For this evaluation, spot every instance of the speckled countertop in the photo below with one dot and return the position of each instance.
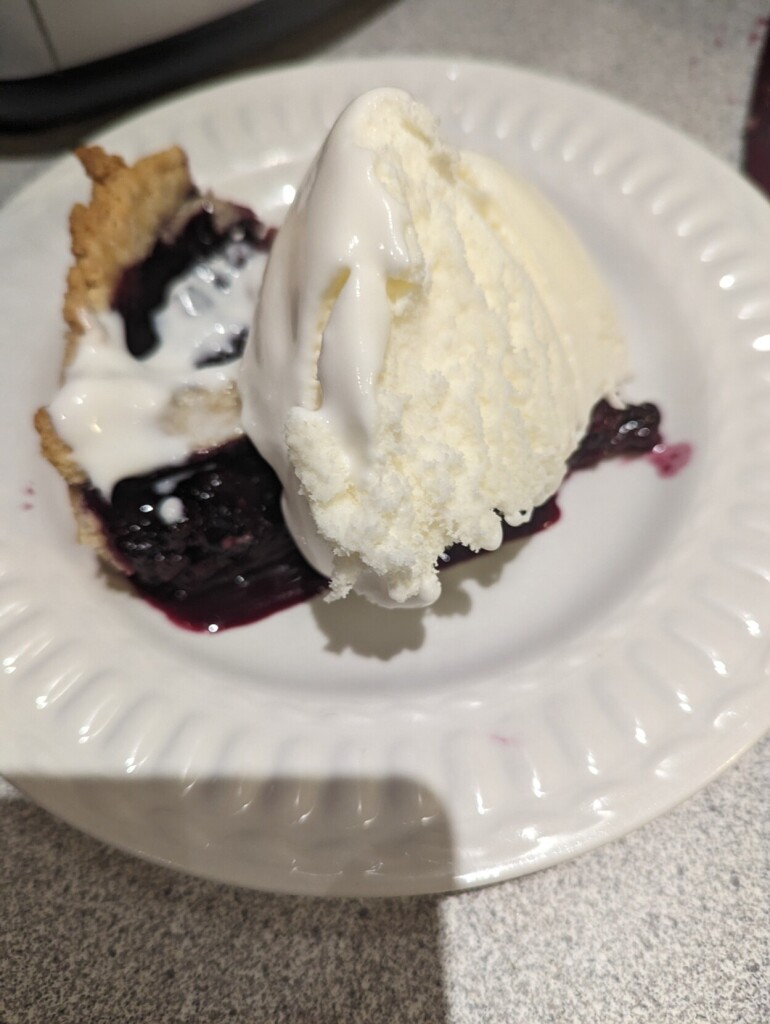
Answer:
(671, 923)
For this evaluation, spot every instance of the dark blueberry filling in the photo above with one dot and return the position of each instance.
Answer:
(142, 288)
(630, 431)
(231, 350)
(226, 558)
(543, 516)
(206, 541)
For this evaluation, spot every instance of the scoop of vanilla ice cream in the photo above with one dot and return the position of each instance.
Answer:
(429, 342)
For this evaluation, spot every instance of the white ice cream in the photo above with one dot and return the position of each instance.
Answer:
(429, 342)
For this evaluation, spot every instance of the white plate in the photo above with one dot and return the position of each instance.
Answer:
(555, 698)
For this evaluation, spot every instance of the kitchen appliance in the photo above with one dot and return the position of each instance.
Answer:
(65, 59)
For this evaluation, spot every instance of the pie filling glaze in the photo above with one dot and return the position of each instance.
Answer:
(205, 541)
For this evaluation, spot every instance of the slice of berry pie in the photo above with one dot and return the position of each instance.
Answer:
(145, 428)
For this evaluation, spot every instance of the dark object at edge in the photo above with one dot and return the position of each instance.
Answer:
(756, 135)
(28, 104)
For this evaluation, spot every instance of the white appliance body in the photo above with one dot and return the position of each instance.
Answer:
(41, 36)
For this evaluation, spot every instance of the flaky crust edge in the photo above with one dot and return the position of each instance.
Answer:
(127, 209)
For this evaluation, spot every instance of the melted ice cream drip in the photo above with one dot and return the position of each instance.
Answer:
(127, 407)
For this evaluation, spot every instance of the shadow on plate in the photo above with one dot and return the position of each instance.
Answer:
(357, 625)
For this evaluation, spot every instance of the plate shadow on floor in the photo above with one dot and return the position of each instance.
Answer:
(120, 939)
